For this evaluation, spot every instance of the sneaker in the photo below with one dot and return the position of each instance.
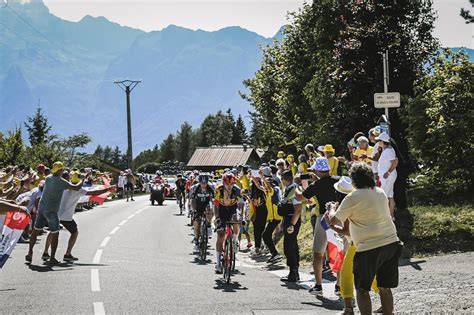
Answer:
(316, 290)
(249, 245)
(28, 258)
(70, 258)
(256, 253)
(196, 249)
(274, 258)
(378, 311)
(337, 290)
(265, 251)
(347, 311)
(218, 268)
(52, 261)
(45, 257)
(292, 277)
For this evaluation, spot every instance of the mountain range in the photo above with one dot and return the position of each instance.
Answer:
(69, 67)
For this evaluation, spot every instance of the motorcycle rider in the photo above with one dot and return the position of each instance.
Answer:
(226, 200)
(201, 196)
(158, 178)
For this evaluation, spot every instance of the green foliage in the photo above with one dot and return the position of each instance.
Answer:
(73, 143)
(216, 130)
(239, 132)
(149, 168)
(12, 149)
(440, 122)
(184, 146)
(147, 156)
(112, 156)
(466, 14)
(317, 84)
(167, 149)
(38, 128)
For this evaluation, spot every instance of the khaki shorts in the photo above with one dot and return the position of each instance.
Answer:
(320, 240)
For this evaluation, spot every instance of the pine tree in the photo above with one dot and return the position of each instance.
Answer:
(38, 128)
(167, 149)
(13, 149)
(239, 132)
(184, 143)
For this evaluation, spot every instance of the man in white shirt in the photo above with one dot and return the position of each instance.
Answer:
(122, 182)
(67, 208)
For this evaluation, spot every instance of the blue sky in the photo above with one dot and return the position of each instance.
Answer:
(261, 16)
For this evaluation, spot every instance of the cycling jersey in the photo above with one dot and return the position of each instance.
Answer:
(181, 184)
(227, 204)
(202, 197)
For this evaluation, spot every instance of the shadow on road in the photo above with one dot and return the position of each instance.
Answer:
(414, 264)
(200, 262)
(63, 266)
(326, 303)
(228, 287)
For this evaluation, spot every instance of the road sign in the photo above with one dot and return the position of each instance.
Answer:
(387, 100)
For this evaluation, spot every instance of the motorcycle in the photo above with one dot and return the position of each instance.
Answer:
(157, 193)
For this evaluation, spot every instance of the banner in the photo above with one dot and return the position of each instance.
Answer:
(15, 223)
(335, 247)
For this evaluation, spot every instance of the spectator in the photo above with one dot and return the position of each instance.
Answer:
(323, 190)
(290, 209)
(48, 210)
(373, 134)
(329, 152)
(387, 168)
(364, 151)
(374, 235)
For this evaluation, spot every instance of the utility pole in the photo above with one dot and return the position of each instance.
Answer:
(128, 86)
(386, 80)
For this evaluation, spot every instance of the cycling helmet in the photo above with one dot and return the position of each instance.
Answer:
(228, 179)
(158, 172)
(203, 179)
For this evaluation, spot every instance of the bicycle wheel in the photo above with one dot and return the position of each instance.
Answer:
(227, 259)
(203, 241)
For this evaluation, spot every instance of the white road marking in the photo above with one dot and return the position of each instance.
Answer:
(97, 256)
(99, 308)
(130, 216)
(140, 211)
(105, 241)
(95, 283)
(123, 222)
(115, 230)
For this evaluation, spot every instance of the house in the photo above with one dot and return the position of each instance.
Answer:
(220, 157)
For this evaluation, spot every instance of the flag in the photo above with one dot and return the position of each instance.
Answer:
(14, 224)
(100, 199)
(335, 247)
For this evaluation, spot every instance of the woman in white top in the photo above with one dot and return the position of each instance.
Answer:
(387, 168)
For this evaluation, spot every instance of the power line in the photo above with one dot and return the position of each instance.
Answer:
(31, 26)
(26, 41)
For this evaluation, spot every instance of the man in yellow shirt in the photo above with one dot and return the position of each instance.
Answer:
(329, 152)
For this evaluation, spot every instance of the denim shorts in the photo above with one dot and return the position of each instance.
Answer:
(50, 219)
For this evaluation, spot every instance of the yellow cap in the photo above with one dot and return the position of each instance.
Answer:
(281, 154)
(328, 148)
(290, 158)
(57, 166)
(75, 177)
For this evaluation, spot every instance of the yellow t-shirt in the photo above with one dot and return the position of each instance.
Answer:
(303, 168)
(333, 165)
(245, 182)
(370, 223)
(359, 152)
(272, 209)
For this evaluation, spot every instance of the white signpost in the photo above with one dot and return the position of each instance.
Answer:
(387, 100)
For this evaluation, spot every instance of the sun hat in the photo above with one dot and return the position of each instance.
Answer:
(280, 154)
(383, 137)
(75, 177)
(280, 161)
(57, 166)
(376, 131)
(321, 148)
(329, 148)
(321, 165)
(290, 158)
(344, 185)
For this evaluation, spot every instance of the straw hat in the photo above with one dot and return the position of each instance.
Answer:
(344, 185)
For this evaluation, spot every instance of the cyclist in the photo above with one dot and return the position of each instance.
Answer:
(180, 191)
(226, 200)
(201, 196)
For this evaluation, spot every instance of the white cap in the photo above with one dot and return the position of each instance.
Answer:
(383, 137)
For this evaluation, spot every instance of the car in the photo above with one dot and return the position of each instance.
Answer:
(170, 184)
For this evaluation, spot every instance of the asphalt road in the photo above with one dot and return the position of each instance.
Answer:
(136, 259)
